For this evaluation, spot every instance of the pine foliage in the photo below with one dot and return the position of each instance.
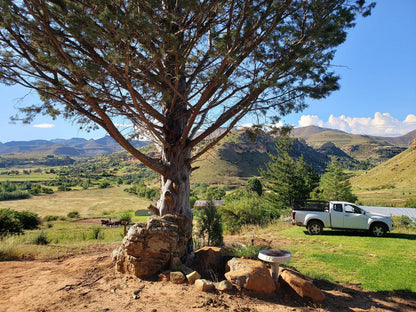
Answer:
(287, 178)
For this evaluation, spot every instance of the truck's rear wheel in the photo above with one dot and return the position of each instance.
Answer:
(378, 229)
(315, 227)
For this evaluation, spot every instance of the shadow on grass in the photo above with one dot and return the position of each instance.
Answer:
(364, 233)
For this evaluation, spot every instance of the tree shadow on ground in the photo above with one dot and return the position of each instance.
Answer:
(342, 297)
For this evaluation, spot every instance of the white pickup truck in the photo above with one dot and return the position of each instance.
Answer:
(316, 215)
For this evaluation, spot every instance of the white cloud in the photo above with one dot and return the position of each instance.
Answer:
(44, 126)
(382, 124)
(123, 125)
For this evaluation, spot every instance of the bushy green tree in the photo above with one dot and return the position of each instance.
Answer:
(242, 208)
(9, 222)
(176, 70)
(285, 177)
(15, 221)
(254, 185)
(214, 193)
(334, 184)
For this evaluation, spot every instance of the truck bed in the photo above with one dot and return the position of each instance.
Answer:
(310, 205)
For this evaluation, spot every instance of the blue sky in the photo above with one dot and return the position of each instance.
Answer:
(377, 65)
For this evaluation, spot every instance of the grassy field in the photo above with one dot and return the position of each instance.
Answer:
(88, 203)
(71, 236)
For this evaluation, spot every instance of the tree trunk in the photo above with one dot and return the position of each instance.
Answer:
(175, 186)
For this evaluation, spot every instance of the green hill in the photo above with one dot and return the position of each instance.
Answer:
(237, 157)
(392, 181)
(373, 150)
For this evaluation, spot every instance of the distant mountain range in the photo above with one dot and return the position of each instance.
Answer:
(375, 149)
(315, 135)
(238, 155)
(69, 147)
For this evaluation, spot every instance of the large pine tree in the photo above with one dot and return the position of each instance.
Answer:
(175, 70)
(287, 178)
(334, 184)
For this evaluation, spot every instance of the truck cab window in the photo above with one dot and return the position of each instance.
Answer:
(349, 209)
(337, 207)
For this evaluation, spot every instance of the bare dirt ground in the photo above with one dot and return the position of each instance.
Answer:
(89, 282)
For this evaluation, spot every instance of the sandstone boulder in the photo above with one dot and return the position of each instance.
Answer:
(148, 249)
(251, 275)
(303, 287)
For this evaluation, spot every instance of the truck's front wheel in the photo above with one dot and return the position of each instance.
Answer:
(315, 227)
(378, 229)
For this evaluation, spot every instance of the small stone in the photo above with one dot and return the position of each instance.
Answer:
(192, 277)
(177, 277)
(223, 285)
(164, 276)
(204, 285)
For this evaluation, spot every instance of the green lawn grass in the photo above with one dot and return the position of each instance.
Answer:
(381, 264)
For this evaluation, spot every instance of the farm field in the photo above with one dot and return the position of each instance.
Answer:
(89, 203)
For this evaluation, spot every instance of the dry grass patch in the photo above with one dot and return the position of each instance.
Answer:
(89, 203)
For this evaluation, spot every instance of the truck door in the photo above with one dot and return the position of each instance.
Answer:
(337, 216)
(354, 217)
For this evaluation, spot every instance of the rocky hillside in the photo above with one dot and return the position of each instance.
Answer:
(371, 149)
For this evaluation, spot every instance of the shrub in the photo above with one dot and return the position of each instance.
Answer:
(15, 221)
(9, 222)
(73, 214)
(411, 202)
(63, 188)
(28, 219)
(249, 252)
(209, 225)
(254, 185)
(14, 195)
(96, 233)
(41, 239)
(215, 193)
(50, 218)
(251, 209)
(402, 221)
(125, 216)
(104, 184)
